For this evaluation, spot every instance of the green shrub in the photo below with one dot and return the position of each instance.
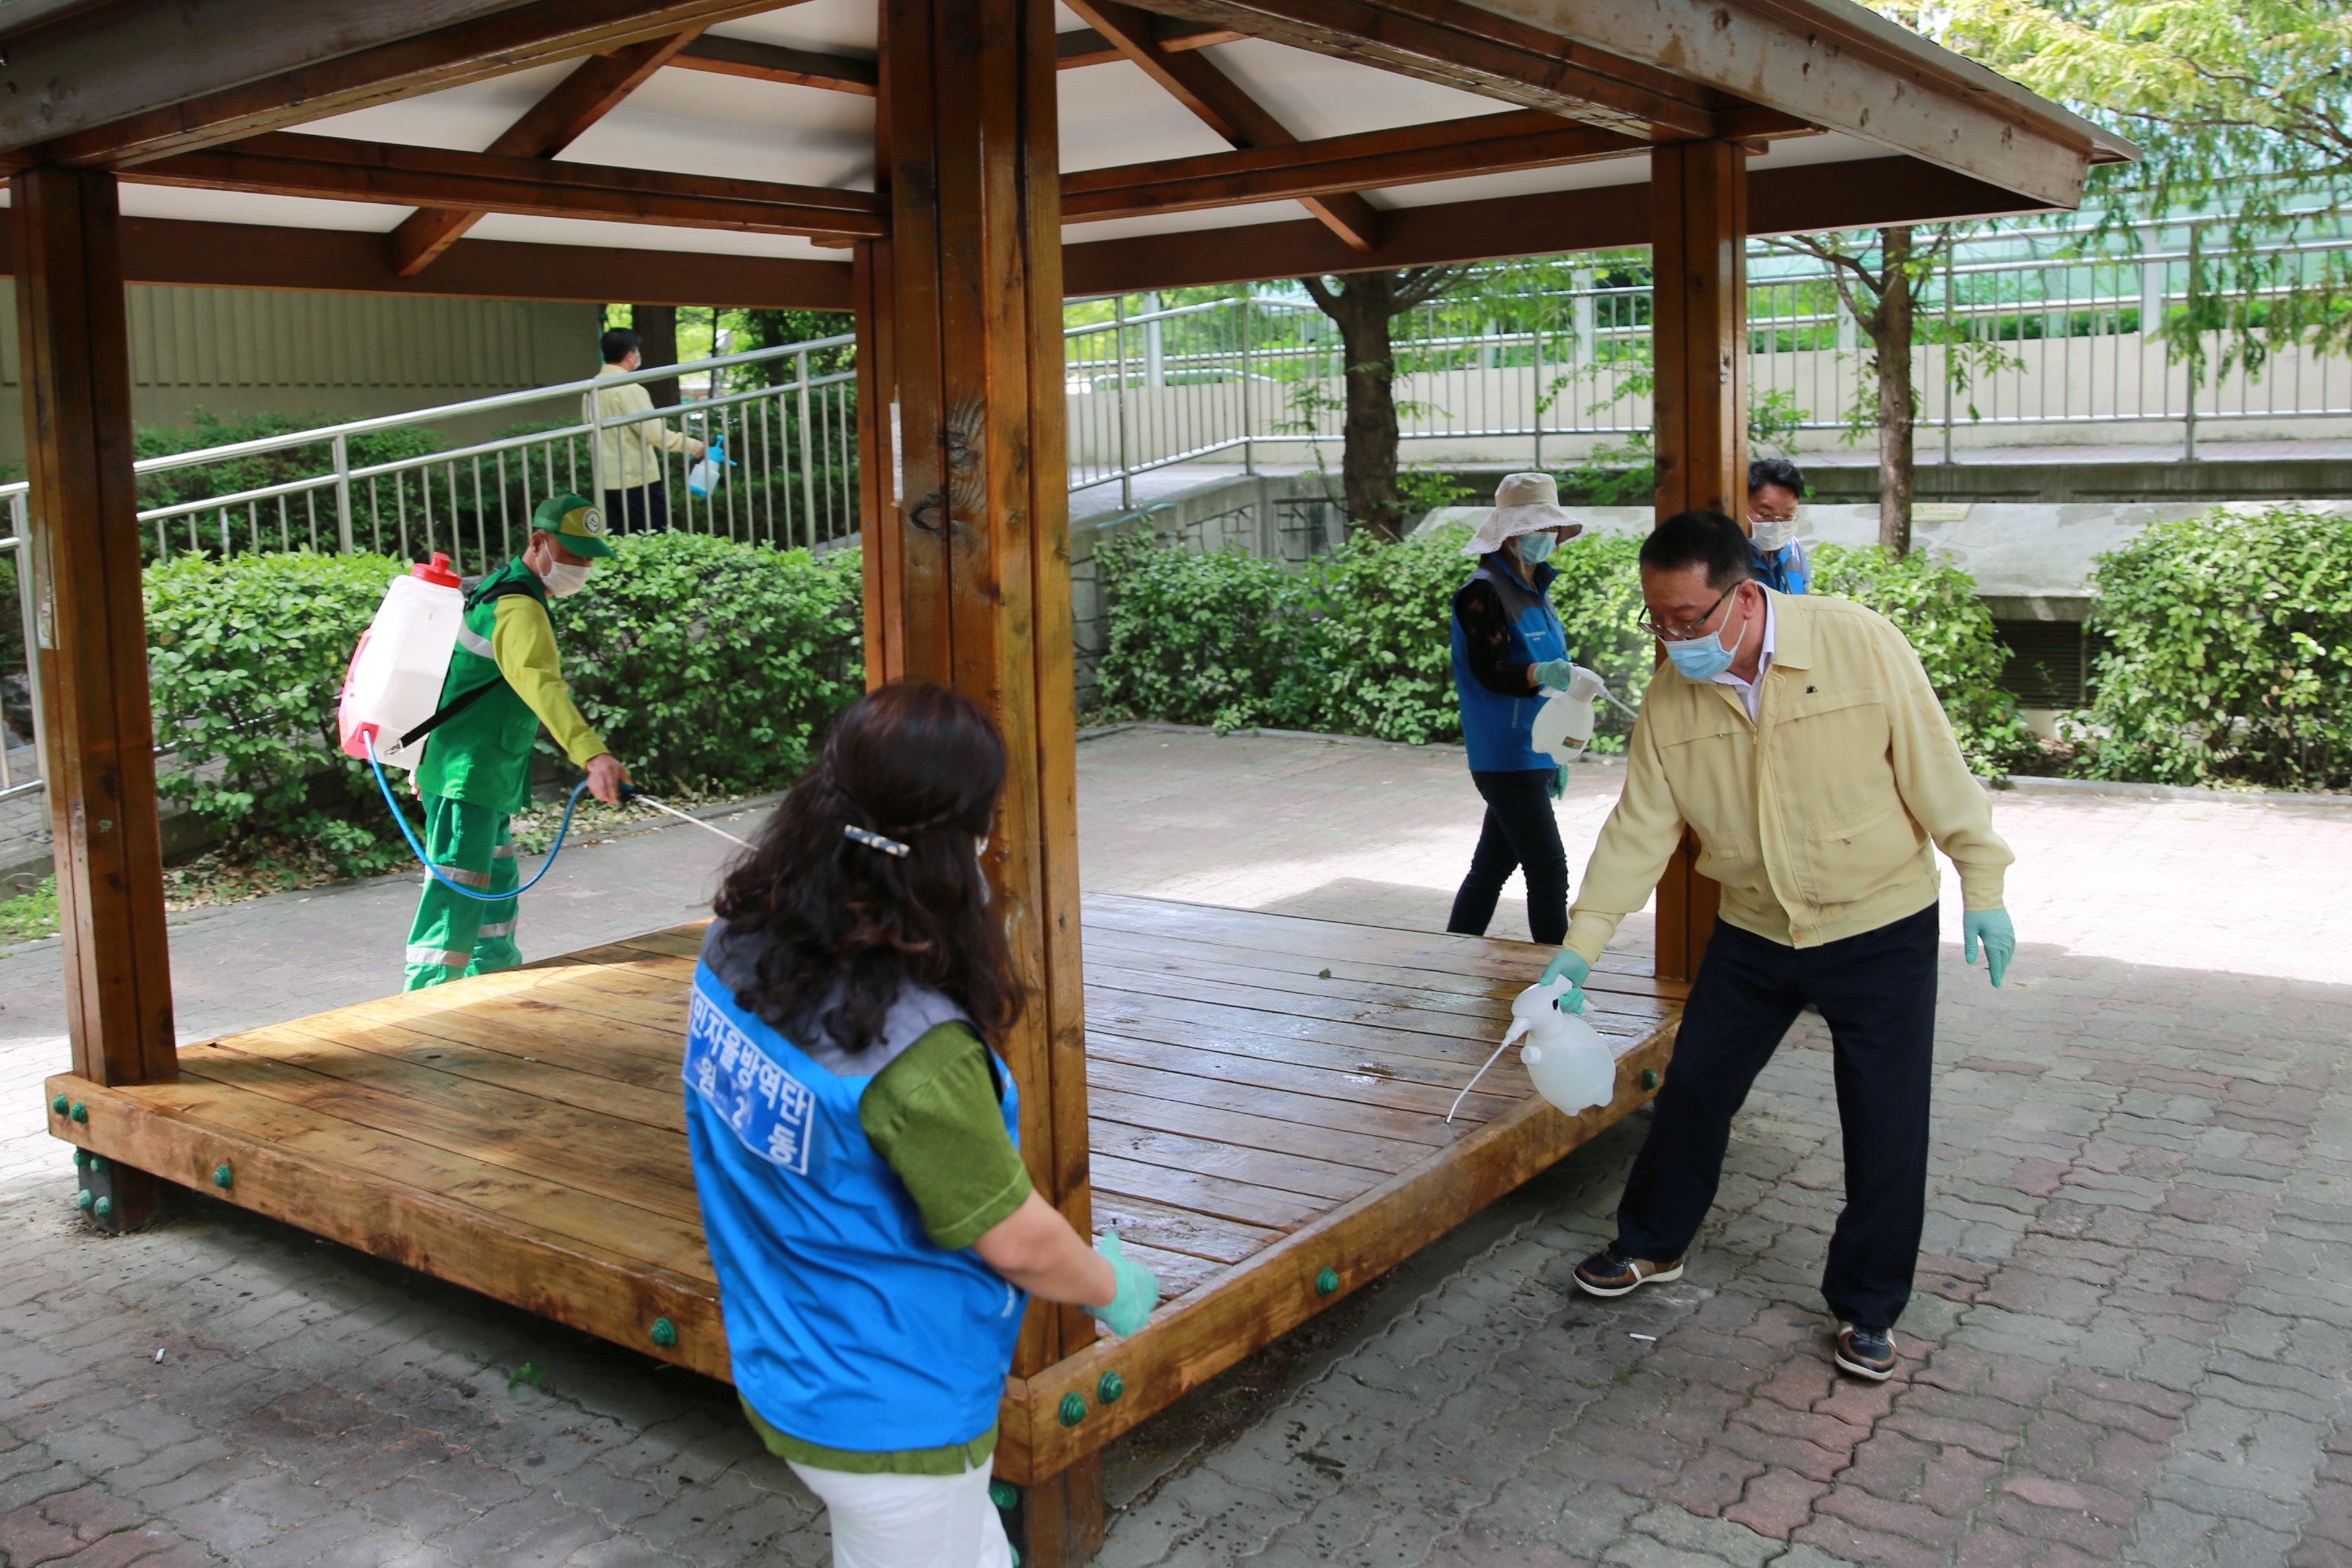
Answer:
(1952, 631)
(2227, 643)
(708, 663)
(248, 657)
(1197, 636)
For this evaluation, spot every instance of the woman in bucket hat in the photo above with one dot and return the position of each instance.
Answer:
(1509, 645)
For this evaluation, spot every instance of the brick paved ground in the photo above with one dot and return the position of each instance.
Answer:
(2131, 1345)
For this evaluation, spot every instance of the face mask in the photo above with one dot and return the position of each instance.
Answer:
(1773, 533)
(1535, 549)
(561, 581)
(1703, 659)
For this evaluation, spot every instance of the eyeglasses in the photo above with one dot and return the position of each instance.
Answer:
(1685, 631)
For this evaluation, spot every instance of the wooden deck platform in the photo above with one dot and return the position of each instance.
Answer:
(1268, 1097)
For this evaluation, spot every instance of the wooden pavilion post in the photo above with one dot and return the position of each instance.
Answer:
(91, 626)
(1698, 204)
(969, 544)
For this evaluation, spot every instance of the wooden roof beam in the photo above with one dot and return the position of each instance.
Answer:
(1838, 67)
(591, 93)
(774, 62)
(1085, 47)
(511, 39)
(1450, 149)
(287, 164)
(1220, 104)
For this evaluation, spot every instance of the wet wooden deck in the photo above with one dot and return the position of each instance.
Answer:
(1267, 1096)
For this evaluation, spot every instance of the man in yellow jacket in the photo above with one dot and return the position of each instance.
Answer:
(1798, 739)
(631, 454)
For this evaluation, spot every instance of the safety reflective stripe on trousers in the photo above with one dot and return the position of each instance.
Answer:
(469, 879)
(503, 927)
(503, 852)
(440, 955)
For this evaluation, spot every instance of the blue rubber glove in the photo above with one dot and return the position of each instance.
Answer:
(1138, 1288)
(1555, 673)
(1571, 963)
(1559, 785)
(1991, 928)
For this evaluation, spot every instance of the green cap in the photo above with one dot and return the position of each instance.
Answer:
(577, 524)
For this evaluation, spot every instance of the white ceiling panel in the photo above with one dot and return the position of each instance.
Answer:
(1114, 114)
(462, 119)
(646, 236)
(828, 27)
(1316, 96)
(1183, 223)
(701, 123)
(278, 212)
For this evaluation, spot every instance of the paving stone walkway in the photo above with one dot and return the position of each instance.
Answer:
(2132, 1341)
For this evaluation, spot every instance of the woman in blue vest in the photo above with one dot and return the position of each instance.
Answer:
(855, 1139)
(1509, 645)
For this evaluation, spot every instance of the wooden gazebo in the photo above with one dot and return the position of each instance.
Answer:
(1257, 1101)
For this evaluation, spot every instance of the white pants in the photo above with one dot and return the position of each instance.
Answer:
(910, 1521)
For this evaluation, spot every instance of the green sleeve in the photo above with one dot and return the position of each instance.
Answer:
(934, 1114)
(523, 642)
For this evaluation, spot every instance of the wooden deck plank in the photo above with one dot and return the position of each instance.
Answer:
(1175, 1229)
(1335, 1075)
(1398, 1009)
(1360, 1150)
(1206, 1193)
(1317, 1113)
(232, 1109)
(1283, 1171)
(627, 1162)
(1214, 1018)
(1358, 1100)
(546, 1081)
(521, 1026)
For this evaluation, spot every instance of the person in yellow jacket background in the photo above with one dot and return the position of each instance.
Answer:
(505, 679)
(630, 457)
(1798, 739)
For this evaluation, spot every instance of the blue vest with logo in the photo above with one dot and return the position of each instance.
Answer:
(1788, 570)
(1498, 729)
(845, 1325)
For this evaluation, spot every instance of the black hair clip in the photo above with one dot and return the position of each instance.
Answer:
(874, 841)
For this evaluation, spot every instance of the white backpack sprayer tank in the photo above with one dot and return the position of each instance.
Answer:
(397, 671)
(1572, 1065)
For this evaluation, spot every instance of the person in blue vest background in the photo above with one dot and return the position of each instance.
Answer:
(1509, 645)
(855, 1139)
(1775, 485)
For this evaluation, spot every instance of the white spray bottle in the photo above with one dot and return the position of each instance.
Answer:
(1564, 1055)
(1563, 725)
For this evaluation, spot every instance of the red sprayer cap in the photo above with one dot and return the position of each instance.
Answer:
(437, 573)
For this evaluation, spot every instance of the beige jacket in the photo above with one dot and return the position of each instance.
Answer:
(632, 455)
(1817, 819)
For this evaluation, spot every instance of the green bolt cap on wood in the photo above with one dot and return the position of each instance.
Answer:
(1648, 1077)
(1327, 1282)
(103, 1207)
(1074, 1409)
(1004, 1494)
(98, 1165)
(82, 1200)
(60, 1104)
(81, 1111)
(81, 1159)
(665, 1332)
(1108, 1390)
(222, 1176)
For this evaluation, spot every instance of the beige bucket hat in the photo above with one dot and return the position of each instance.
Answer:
(1523, 503)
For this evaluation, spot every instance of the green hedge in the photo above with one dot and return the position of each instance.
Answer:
(1358, 642)
(2228, 639)
(706, 663)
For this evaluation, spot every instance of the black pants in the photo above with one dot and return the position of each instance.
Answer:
(1520, 834)
(638, 509)
(1877, 993)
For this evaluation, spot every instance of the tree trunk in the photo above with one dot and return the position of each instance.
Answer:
(657, 329)
(1890, 334)
(1362, 306)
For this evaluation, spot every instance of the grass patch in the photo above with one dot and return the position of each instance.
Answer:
(31, 915)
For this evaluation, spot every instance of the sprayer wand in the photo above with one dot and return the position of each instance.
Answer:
(631, 792)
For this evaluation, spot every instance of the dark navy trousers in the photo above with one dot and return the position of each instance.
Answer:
(1877, 993)
(1520, 834)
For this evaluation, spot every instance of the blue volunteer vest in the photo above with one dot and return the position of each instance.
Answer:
(1498, 729)
(845, 1325)
(1788, 570)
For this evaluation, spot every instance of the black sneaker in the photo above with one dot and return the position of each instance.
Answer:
(1866, 1351)
(1612, 1271)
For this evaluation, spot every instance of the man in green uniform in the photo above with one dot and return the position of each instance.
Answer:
(477, 766)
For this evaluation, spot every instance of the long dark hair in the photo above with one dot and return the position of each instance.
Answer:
(915, 763)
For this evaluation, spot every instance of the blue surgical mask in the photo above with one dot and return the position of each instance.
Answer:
(1702, 659)
(1535, 549)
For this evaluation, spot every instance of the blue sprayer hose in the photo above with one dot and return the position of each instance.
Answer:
(556, 848)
